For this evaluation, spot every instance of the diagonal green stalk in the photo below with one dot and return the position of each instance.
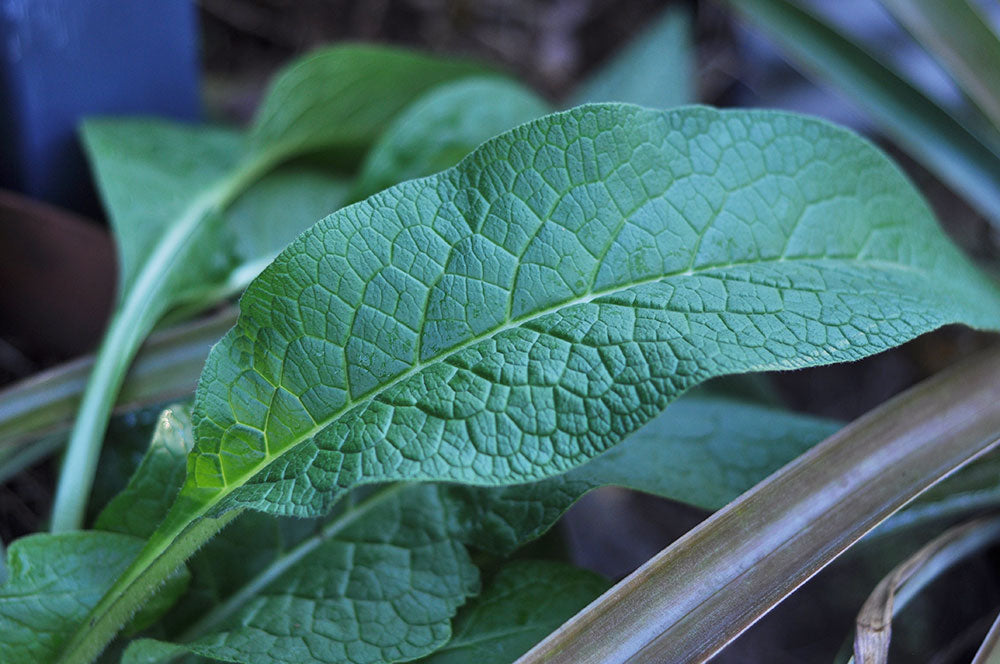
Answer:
(704, 590)
(163, 554)
(141, 307)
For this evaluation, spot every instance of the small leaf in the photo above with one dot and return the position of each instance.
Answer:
(655, 69)
(524, 602)
(141, 506)
(443, 126)
(343, 97)
(53, 582)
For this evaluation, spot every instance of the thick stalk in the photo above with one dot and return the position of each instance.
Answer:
(126, 331)
(143, 304)
(163, 554)
(704, 590)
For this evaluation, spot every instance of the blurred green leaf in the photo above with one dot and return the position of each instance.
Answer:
(443, 126)
(144, 501)
(928, 132)
(962, 40)
(655, 69)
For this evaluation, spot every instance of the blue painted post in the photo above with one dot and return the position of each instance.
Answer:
(62, 60)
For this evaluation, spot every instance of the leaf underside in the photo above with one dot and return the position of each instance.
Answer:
(510, 318)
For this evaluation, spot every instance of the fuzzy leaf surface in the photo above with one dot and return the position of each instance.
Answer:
(707, 451)
(510, 318)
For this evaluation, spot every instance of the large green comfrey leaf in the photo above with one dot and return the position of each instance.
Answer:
(733, 444)
(510, 318)
(169, 191)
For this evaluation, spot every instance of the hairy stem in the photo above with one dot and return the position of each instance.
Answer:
(163, 554)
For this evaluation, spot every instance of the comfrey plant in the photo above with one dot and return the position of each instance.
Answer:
(429, 377)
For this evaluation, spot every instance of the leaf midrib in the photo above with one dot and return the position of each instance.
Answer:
(590, 296)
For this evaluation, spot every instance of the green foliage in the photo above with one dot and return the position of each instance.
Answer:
(464, 355)
(443, 126)
(524, 602)
(176, 241)
(53, 583)
(655, 69)
(375, 556)
(510, 318)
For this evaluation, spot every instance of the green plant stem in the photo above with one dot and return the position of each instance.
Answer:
(704, 590)
(163, 554)
(143, 304)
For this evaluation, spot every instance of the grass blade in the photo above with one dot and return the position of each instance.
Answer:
(968, 47)
(704, 590)
(922, 127)
(167, 367)
(874, 623)
(989, 652)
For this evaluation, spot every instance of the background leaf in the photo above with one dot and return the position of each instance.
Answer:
(525, 601)
(655, 69)
(141, 506)
(343, 97)
(443, 126)
(53, 582)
